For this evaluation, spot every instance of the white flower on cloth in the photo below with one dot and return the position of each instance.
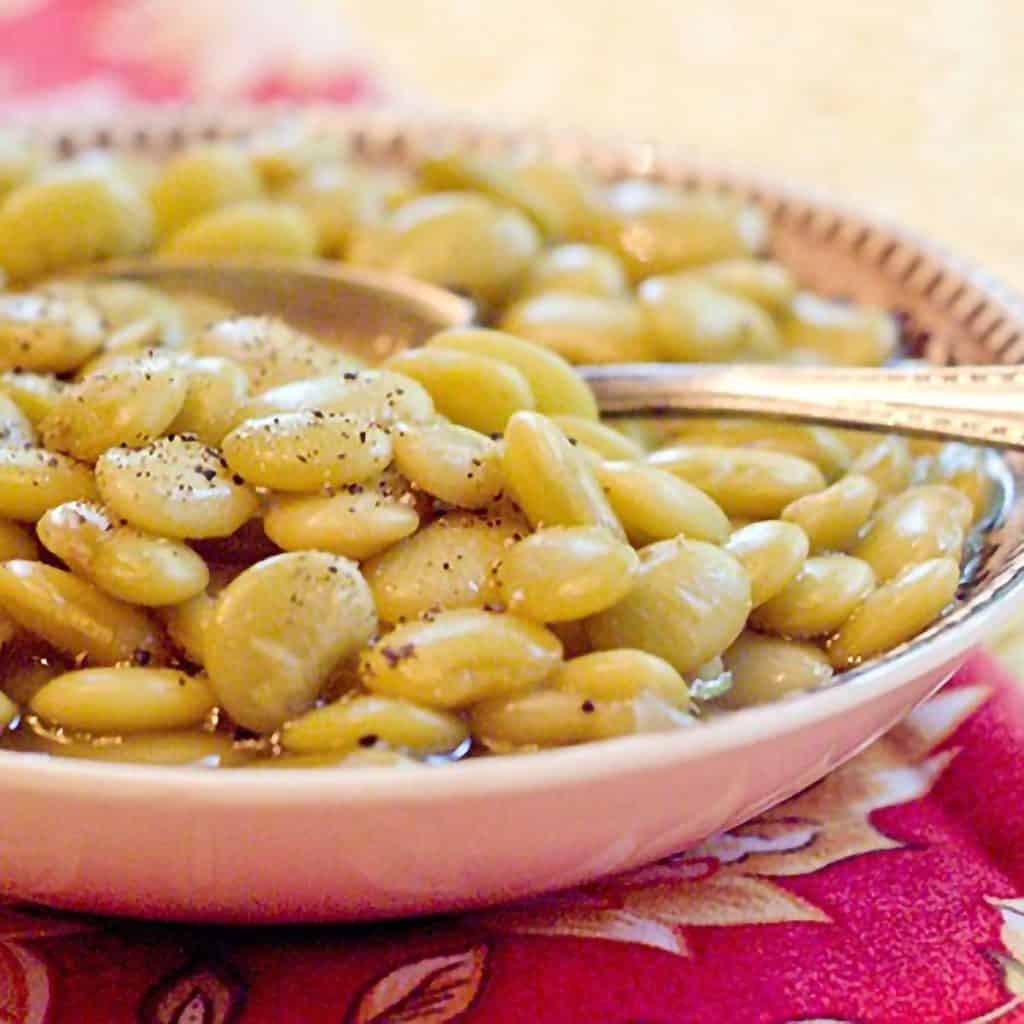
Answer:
(224, 47)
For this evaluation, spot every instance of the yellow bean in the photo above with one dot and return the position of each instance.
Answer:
(289, 149)
(174, 488)
(600, 438)
(130, 406)
(689, 603)
(653, 505)
(853, 335)
(357, 522)
(921, 523)
(833, 518)
(459, 658)
(567, 192)
(772, 552)
(566, 572)
(15, 429)
(583, 328)
(965, 468)
(456, 239)
(380, 395)
(365, 721)
(455, 464)
(33, 480)
(764, 668)
(278, 631)
(124, 700)
(198, 181)
(556, 387)
(124, 562)
(748, 483)
(35, 393)
(896, 611)
(16, 542)
(888, 463)
(692, 321)
(216, 389)
(448, 564)
(657, 229)
(304, 451)
(164, 747)
(819, 600)
(765, 282)
(9, 711)
(621, 675)
(186, 624)
(246, 230)
(472, 390)
(44, 334)
(550, 481)
(73, 615)
(579, 268)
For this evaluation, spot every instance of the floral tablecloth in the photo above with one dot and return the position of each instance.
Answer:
(892, 892)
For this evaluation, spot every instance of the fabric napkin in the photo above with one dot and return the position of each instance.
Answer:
(891, 892)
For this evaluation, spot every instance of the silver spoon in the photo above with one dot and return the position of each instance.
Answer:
(375, 313)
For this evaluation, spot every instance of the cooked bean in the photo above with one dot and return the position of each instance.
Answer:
(216, 388)
(566, 572)
(245, 230)
(45, 334)
(853, 335)
(455, 464)
(73, 615)
(124, 562)
(124, 700)
(448, 564)
(567, 192)
(186, 624)
(192, 747)
(621, 675)
(130, 310)
(764, 668)
(279, 629)
(579, 268)
(819, 600)
(33, 480)
(833, 518)
(603, 440)
(556, 387)
(765, 282)
(364, 721)
(772, 552)
(173, 487)
(744, 482)
(304, 451)
(921, 523)
(15, 429)
(965, 468)
(583, 328)
(689, 602)
(692, 321)
(9, 711)
(459, 658)
(35, 393)
(888, 463)
(549, 479)
(653, 504)
(357, 523)
(896, 611)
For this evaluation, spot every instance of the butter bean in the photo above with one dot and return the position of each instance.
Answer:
(772, 552)
(33, 480)
(765, 668)
(888, 463)
(833, 518)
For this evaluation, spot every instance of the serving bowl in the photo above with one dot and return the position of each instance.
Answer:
(277, 845)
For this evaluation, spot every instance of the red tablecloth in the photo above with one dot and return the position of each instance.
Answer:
(886, 894)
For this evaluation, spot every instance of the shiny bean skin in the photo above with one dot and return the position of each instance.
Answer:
(448, 564)
(765, 668)
(9, 711)
(897, 611)
(765, 282)
(357, 524)
(305, 451)
(33, 480)
(216, 388)
(578, 268)
(124, 700)
(854, 335)
(888, 463)
(772, 552)
(692, 321)
(819, 600)
(47, 335)
(605, 441)
(124, 562)
(965, 468)
(278, 630)
(173, 488)
(16, 431)
(583, 328)
(566, 572)
(556, 387)
(745, 482)
(460, 466)
(922, 523)
(550, 481)
(73, 615)
(833, 518)
(566, 190)
(458, 658)
(364, 721)
(653, 504)
(689, 602)
(621, 675)
(246, 230)
(34, 393)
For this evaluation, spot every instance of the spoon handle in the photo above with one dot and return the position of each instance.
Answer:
(981, 404)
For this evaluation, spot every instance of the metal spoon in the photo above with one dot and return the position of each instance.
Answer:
(375, 313)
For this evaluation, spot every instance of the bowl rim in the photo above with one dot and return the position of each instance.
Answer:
(389, 135)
